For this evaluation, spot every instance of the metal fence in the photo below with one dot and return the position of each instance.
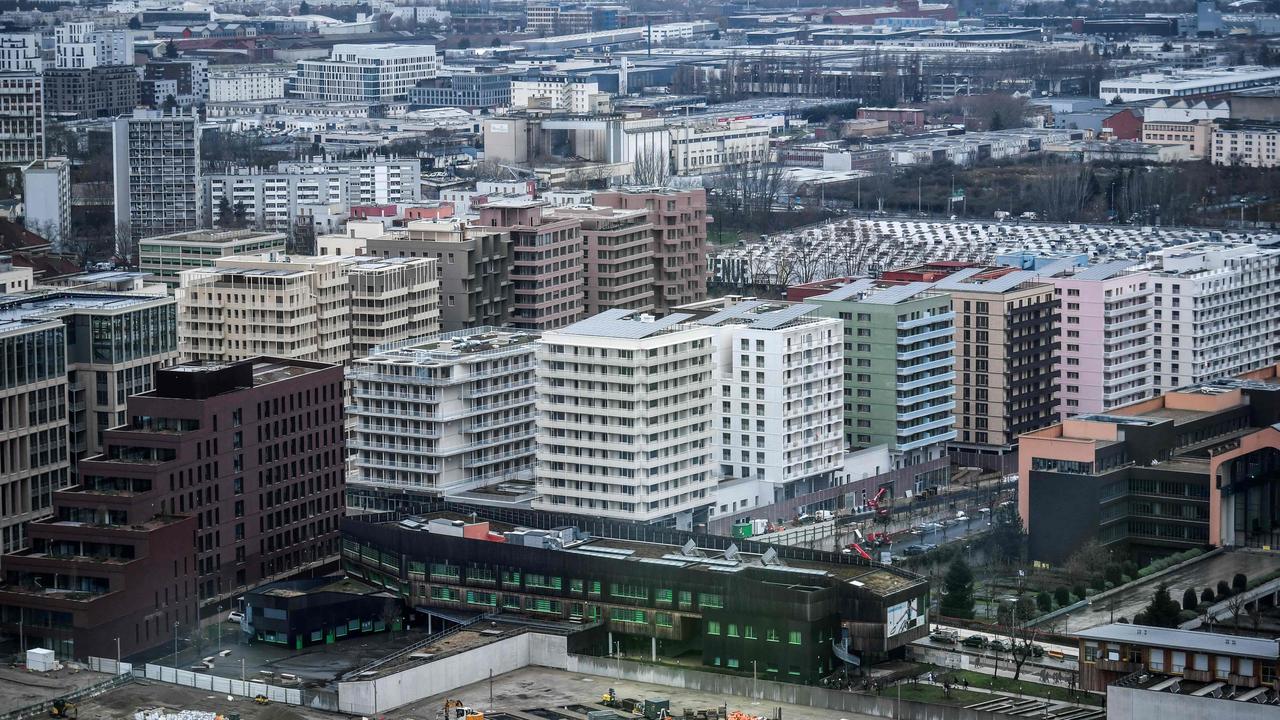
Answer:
(226, 686)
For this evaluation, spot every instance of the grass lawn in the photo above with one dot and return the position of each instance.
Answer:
(1023, 686)
(934, 694)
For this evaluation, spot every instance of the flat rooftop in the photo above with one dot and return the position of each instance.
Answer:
(22, 311)
(1184, 640)
(624, 324)
(449, 348)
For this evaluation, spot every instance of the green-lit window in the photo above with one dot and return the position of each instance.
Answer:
(771, 635)
(511, 578)
(686, 600)
(770, 669)
(733, 630)
(710, 600)
(542, 582)
(417, 568)
(732, 662)
(662, 619)
(444, 593)
(595, 588)
(478, 597)
(442, 571)
(748, 632)
(716, 662)
(631, 592)
(795, 670)
(482, 576)
(542, 605)
(713, 627)
(576, 586)
(793, 637)
(511, 602)
(665, 595)
(627, 615)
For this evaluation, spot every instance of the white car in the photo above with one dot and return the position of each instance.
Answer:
(235, 616)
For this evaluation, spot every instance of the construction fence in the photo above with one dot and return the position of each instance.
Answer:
(225, 686)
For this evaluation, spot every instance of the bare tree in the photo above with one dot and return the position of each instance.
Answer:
(1013, 618)
(126, 247)
(651, 167)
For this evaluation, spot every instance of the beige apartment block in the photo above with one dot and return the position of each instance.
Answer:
(618, 252)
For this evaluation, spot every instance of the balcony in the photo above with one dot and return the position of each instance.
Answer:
(487, 390)
(1118, 666)
(948, 317)
(432, 397)
(947, 436)
(948, 406)
(365, 461)
(947, 361)
(948, 376)
(947, 347)
(400, 379)
(481, 426)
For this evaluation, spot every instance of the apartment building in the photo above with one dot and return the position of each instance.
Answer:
(156, 173)
(699, 148)
(364, 73)
(1181, 122)
(14, 280)
(224, 476)
(1106, 335)
(476, 287)
(618, 251)
(78, 45)
(164, 256)
(20, 52)
(247, 82)
(625, 405)
(569, 93)
(445, 414)
(680, 221)
(1246, 144)
(33, 403)
(898, 344)
(87, 93)
(546, 262)
(186, 79)
(326, 309)
(372, 180)
(21, 117)
(778, 367)
(46, 199)
(1216, 311)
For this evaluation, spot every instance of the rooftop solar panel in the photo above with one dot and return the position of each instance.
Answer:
(1105, 271)
(617, 323)
(897, 293)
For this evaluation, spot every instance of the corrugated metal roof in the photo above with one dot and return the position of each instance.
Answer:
(1184, 640)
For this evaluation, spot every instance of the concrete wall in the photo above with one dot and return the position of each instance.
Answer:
(1135, 704)
(371, 697)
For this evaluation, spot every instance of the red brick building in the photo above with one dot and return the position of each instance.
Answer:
(225, 476)
(680, 249)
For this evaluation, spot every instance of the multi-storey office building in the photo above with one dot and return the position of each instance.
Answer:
(157, 173)
(618, 250)
(86, 93)
(371, 180)
(328, 309)
(788, 613)
(699, 148)
(33, 405)
(778, 370)
(546, 262)
(364, 73)
(680, 220)
(1217, 312)
(899, 370)
(445, 414)
(625, 407)
(1105, 331)
(480, 89)
(224, 476)
(1195, 466)
(164, 256)
(21, 117)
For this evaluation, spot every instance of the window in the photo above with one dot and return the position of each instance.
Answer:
(733, 630)
(663, 619)
(627, 615)
(686, 599)
(713, 627)
(576, 586)
(710, 600)
(511, 578)
(793, 637)
(1157, 660)
(748, 632)
(771, 635)
(1221, 666)
(479, 597)
(632, 592)
(444, 593)
(440, 571)
(665, 595)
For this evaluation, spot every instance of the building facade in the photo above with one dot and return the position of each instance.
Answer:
(372, 180)
(364, 73)
(1247, 144)
(625, 408)
(445, 414)
(699, 148)
(21, 117)
(1111, 652)
(680, 251)
(46, 199)
(164, 256)
(546, 262)
(223, 477)
(252, 82)
(79, 46)
(618, 250)
(479, 90)
(156, 172)
(569, 93)
(86, 93)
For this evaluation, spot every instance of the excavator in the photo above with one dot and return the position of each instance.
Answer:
(63, 709)
(455, 710)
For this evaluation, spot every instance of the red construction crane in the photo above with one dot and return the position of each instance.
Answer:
(874, 504)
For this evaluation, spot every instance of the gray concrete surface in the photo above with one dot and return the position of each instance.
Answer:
(123, 702)
(1198, 575)
(20, 688)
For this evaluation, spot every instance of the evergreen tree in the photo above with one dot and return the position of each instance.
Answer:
(1189, 600)
(1162, 612)
(170, 50)
(958, 602)
(1239, 583)
(135, 23)
(304, 8)
(1063, 596)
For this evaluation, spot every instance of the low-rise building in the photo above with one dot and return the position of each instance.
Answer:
(369, 73)
(1247, 144)
(1187, 83)
(1112, 654)
(46, 199)
(164, 256)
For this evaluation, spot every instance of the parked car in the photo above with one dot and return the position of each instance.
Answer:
(235, 616)
(998, 645)
(948, 637)
(1037, 651)
(976, 641)
(911, 550)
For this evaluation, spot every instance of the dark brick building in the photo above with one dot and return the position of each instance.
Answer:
(87, 93)
(224, 476)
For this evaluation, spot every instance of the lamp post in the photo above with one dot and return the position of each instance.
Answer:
(175, 647)
(117, 656)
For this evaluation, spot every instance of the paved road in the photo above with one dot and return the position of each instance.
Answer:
(1199, 575)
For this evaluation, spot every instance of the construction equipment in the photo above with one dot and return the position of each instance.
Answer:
(63, 709)
(858, 549)
(609, 699)
(876, 503)
(261, 699)
(455, 710)
(657, 708)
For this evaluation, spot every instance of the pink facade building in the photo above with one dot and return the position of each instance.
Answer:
(618, 267)
(546, 265)
(1107, 338)
(680, 222)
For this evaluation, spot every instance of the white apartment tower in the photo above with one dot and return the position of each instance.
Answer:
(1217, 312)
(327, 309)
(20, 52)
(625, 409)
(780, 399)
(80, 46)
(445, 414)
(364, 73)
(157, 173)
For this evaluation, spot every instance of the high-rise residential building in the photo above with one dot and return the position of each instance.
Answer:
(21, 117)
(1106, 334)
(116, 341)
(778, 371)
(157, 173)
(372, 180)
(33, 401)
(680, 250)
(898, 343)
(546, 265)
(186, 79)
(87, 93)
(46, 199)
(164, 256)
(328, 309)
(364, 73)
(625, 419)
(476, 288)
(618, 250)
(78, 45)
(20, 52)
(1217, 313)
(445, 414)
(224, 476)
